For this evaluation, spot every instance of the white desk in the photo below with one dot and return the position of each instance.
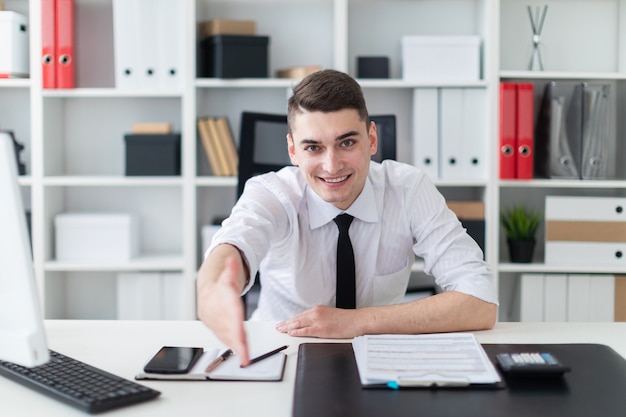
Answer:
(122, 347)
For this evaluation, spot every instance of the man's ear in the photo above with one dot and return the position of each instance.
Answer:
(291, 148)
(373, 138)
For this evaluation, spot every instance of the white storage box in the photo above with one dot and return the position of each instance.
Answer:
(441, 58)
(14, 45)
(585, 231)
(96, 237)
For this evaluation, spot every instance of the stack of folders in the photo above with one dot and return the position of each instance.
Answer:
(219, 146)
(148, 44)
(572, 297)
(516, 130)
(573, 137)
(57, 43)
(154, 296)
(426, 360)
(449, 131)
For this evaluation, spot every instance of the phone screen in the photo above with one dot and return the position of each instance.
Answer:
(173, 360)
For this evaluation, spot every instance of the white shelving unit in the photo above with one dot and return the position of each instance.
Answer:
(74, 138)
(581, 41)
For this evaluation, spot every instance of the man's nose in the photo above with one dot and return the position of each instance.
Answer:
(332, 161)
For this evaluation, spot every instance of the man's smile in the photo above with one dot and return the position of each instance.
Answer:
(336, 180)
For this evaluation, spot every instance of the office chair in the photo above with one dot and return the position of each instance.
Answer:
(263, 148)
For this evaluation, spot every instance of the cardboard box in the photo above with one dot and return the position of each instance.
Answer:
(471, 214)
(152, 127)
(14, 40)
(470, 210)
(96, 237)
(234, 56)
(297, 72)
(620, 298)
(226, 27)
(152, 154)
(441, 58)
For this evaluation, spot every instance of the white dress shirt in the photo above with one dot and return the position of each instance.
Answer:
(286, 231)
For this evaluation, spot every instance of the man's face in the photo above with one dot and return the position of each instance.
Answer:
(333, 152)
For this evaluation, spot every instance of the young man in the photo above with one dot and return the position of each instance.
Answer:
(283, 227)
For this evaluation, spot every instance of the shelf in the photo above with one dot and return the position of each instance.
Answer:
(25, 180)
(460, 183)
(399, 83)
(556, 183)
(245, 83)
(15, 82)
(365, 83)
(108, 92)
(418, 266)
(149, 262)
(562, 75)
(117, 181)
(213, 181)
(560, 269)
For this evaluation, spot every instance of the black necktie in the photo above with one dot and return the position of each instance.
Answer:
(346, 287)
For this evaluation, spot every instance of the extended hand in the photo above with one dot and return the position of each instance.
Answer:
(324, 322)
(221, 308)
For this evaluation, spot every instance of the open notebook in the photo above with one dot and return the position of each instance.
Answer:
(270, 369)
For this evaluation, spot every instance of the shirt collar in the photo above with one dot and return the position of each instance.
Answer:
(321, 212)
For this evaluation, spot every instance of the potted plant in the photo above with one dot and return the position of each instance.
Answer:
(520, 225)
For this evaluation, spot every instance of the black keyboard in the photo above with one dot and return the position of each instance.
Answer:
(78, 384)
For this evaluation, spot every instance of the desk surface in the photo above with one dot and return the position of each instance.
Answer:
(122, 347)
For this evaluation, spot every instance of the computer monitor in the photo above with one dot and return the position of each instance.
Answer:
(22, 336)
(386, 129)
(262, 145)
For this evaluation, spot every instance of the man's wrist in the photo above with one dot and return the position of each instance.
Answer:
(246, 267)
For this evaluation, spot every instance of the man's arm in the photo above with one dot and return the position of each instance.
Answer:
(445, 312)
(221, 278)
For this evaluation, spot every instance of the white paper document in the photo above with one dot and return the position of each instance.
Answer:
(444, 359)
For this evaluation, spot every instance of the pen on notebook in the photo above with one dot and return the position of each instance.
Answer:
(265, 355)
(221, 358)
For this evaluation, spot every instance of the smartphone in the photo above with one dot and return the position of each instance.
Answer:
(173, 360)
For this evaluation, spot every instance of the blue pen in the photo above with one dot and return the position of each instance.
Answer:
(393, 385)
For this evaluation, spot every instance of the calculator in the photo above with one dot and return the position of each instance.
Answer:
(531, 364)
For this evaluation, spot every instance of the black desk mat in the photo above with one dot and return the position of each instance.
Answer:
(327, 384)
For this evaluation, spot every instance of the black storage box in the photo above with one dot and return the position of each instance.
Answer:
(152, 154)
(372, 67)
(233, 56)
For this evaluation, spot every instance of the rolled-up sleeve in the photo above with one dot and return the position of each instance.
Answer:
(257, 219)
(449, 253)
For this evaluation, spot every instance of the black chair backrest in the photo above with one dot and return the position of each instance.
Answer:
(263, 143)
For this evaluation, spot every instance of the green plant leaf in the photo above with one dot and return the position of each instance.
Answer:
(520, 223)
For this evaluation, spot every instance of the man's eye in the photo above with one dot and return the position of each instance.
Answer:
(312, 148)
(347, 143)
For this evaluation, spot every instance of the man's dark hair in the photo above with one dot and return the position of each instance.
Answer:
(327, 91)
